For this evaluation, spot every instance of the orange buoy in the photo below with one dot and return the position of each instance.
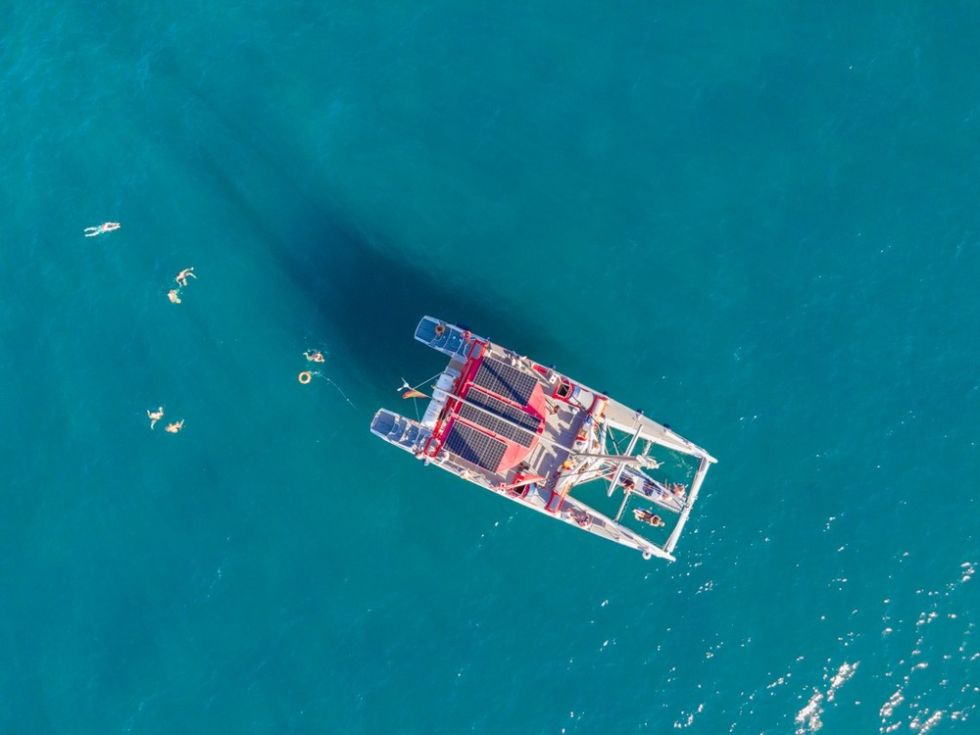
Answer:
(305, 377)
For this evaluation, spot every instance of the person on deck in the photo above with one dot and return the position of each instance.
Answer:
(648, 516)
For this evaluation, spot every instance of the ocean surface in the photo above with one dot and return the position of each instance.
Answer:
(759, 222)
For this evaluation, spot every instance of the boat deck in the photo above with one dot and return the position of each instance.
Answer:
(495, 401)
(562, 427)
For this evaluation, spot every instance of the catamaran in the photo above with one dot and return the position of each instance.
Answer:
(540, 439)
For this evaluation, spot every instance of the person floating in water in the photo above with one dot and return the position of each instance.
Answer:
(104, 227)
(184, 275)
(648, 516)
(174, 295)
(314, 356)
(175, 427)
(155, 416)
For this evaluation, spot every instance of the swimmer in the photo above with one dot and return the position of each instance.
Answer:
(104, 227)
(155, 416)
(174, 295)
(314, 356)
(184, 275)
(174, 427)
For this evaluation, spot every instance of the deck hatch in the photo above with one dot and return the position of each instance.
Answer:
(504, 380)
(475, 447)
(498, 426)
(505, 410)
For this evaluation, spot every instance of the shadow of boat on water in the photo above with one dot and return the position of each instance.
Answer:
(361, 292)
(371, 299)
(356, 287)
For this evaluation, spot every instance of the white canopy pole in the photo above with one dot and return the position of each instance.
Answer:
(695, 488)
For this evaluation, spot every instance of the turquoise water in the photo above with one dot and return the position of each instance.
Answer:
(759, 223)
